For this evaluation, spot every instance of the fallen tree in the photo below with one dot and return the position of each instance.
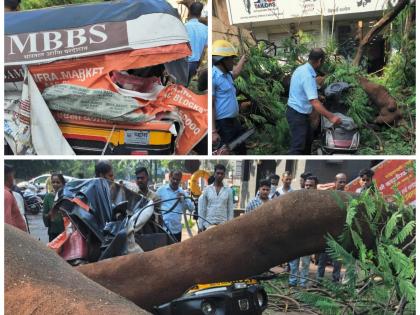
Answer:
(289, 227)
(38, 282)
(243, 247)
(388, 111)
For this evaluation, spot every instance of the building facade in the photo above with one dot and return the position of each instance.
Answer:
(345, 21)
(255, 170)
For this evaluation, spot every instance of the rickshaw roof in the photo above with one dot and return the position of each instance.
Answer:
(72, 16)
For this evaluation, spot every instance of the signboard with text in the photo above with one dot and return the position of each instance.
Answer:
(251, 11)
(393, 173)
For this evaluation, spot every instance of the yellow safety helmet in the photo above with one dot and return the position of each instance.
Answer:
(222, 48)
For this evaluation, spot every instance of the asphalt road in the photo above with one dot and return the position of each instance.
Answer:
(36, 227)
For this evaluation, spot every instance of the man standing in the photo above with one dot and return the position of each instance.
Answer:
(226, 125)
(261, 198)
(340, 184)
(103, 169)
(12, 214)
(309, 183)
(274, 180)
(366, 180)
(286, 179)
(303, 97)
(172, 214)
(217, 202)
(197, 35)
(142, 181)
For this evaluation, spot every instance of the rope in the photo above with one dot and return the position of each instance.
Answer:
(107, 141)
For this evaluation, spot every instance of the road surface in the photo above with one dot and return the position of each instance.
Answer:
(37, 228)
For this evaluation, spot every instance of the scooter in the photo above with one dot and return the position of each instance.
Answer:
(344, 138)
(33, 203)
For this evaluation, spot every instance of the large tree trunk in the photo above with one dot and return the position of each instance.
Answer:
(281, 230)
(387, 105)
(38, 282)
(379, 26)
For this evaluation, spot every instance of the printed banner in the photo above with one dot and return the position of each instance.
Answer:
(393, 173)
(84, 87)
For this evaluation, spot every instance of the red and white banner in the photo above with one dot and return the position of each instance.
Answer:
(391, 174)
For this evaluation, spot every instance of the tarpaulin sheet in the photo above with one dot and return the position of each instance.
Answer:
(91, 75)
(71, 16)
(30, 127)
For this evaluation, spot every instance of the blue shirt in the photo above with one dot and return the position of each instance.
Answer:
(303, 89)
(224, 94)
(197, 35)
(172, 219)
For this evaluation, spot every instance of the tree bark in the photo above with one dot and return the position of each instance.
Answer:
(381, 24)
(279, 231)
(38, 281)
(389, 112)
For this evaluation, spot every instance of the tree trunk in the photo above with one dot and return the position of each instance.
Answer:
(38, 281)
(389, 113)
(381, 24)
(279, 231)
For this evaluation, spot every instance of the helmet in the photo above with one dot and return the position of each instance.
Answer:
(223, 48)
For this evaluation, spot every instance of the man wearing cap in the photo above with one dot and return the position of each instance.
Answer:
(226, 126)
(303, 97)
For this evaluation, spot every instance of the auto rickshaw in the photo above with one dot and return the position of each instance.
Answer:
(100, 78)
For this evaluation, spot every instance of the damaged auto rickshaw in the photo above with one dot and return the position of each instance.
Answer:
(104, 219)
(100, 78)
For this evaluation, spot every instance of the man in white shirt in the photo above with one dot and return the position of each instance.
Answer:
(274, 179)
(286, 179)
(217, 202)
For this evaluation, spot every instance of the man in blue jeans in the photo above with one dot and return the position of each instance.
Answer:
(303, 97)
(340, 184)
(310, 182)
(197, 35)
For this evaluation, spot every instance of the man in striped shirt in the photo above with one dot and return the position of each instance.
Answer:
(262, 196)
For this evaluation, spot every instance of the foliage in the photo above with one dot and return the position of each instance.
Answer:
(261, 83)
(385, 274)
(356, 100)
(263, 79)
(377, 251)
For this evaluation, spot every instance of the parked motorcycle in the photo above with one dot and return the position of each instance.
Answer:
(33, 202)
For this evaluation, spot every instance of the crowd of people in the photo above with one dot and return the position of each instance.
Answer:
(215, 205)
(269, 189)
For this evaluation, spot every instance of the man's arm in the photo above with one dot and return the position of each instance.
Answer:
(230, 205)
(324, 112)
(238, 68)
(200, 212)
(204, 204)
(249, 207)
(214, 135)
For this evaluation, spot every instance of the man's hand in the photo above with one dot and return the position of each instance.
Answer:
(181, 197)
(215, 138)
(335, 120)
